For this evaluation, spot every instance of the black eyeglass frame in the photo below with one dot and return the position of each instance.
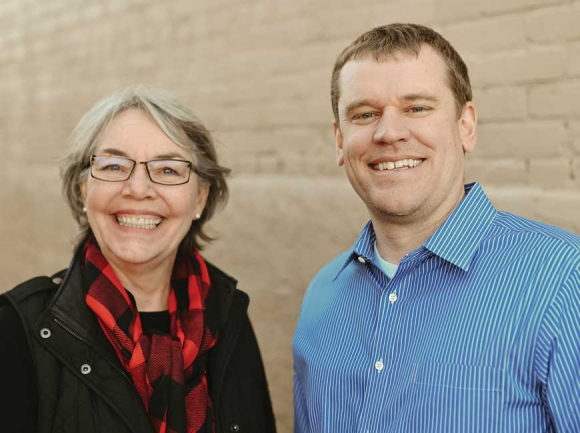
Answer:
(146, 164)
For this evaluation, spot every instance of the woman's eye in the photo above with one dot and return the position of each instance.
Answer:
(111, 167)
(168, 170)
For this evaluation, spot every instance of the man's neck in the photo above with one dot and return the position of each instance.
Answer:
(397, 237)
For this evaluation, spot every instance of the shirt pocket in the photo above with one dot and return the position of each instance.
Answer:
(455, 398)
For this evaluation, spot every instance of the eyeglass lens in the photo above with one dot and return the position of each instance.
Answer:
(116, 169)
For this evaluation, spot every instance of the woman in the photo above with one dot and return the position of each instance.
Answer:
(139, 334)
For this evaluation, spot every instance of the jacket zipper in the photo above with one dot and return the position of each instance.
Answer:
(78, 337)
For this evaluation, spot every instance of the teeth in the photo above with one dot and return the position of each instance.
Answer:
(390, 165)
(138, 223)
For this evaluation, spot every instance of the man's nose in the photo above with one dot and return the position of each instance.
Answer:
(391, 128)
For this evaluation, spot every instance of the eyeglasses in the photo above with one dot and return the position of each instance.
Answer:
(161, 171)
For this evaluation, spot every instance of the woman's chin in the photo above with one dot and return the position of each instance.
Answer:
(137, 254)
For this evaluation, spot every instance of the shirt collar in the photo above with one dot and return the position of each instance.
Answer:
(458, 238)
(455, 241)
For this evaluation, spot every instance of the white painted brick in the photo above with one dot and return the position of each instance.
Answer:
(496, 171)
(554, 24)
(576, 172)
(574, 65)
(501, 103)
(522, 140)
(312, 112)
(575, 136)
(551, 173)
(299, 151)
(459, 10)
(558, 99)
(559, 208)
(503, 6)
(520, 66)
(416, 11)
(488, 34)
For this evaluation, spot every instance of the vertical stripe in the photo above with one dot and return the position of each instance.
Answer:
(483, 334)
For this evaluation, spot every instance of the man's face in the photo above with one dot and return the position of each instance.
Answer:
(399, 138)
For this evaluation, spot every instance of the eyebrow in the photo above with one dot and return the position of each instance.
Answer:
(357, 104)
(169, 155)
(410, 97)
(420, 97)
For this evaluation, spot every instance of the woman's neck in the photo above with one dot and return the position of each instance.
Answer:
(150, 286)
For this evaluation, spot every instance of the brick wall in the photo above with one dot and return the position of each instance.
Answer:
(258, 73)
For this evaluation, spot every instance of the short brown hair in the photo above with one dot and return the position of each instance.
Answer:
(176, 121)
(385, 41)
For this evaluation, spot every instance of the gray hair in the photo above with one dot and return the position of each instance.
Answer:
(176, 121)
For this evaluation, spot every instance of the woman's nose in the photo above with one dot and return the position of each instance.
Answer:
(139, 185)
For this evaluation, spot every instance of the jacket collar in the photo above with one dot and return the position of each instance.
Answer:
(70, 307)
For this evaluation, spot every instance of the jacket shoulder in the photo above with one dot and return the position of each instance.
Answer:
(43, 286)
(216, 273)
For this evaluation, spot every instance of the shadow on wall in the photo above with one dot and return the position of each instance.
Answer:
(275, 234)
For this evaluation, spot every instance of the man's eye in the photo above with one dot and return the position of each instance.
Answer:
(364, 116)
(417, 109)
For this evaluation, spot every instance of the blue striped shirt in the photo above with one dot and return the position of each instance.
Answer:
(478, 331)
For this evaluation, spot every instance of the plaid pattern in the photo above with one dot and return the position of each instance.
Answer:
(168, 371)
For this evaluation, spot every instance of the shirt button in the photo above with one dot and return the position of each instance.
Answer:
(85, 369)
(393, 297)
(45, 333)
(361, 259)
(379, 365)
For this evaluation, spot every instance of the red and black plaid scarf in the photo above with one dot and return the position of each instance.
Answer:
(169, 371)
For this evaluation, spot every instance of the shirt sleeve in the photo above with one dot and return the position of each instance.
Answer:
(300, 411)
(17, 375)
(563, 379)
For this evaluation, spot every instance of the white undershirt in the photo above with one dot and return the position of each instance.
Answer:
(388, 268)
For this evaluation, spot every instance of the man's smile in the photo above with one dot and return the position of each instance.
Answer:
(392, 165)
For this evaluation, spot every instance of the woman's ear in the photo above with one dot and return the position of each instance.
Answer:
(202, 194)
(83, 189)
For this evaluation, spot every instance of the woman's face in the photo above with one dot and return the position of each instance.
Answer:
(136, 221)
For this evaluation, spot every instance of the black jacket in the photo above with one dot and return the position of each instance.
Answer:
(67, 378)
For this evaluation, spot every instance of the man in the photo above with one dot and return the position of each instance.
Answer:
(446, 315)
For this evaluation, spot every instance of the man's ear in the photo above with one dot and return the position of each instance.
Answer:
(468, 127)
(338, 141)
